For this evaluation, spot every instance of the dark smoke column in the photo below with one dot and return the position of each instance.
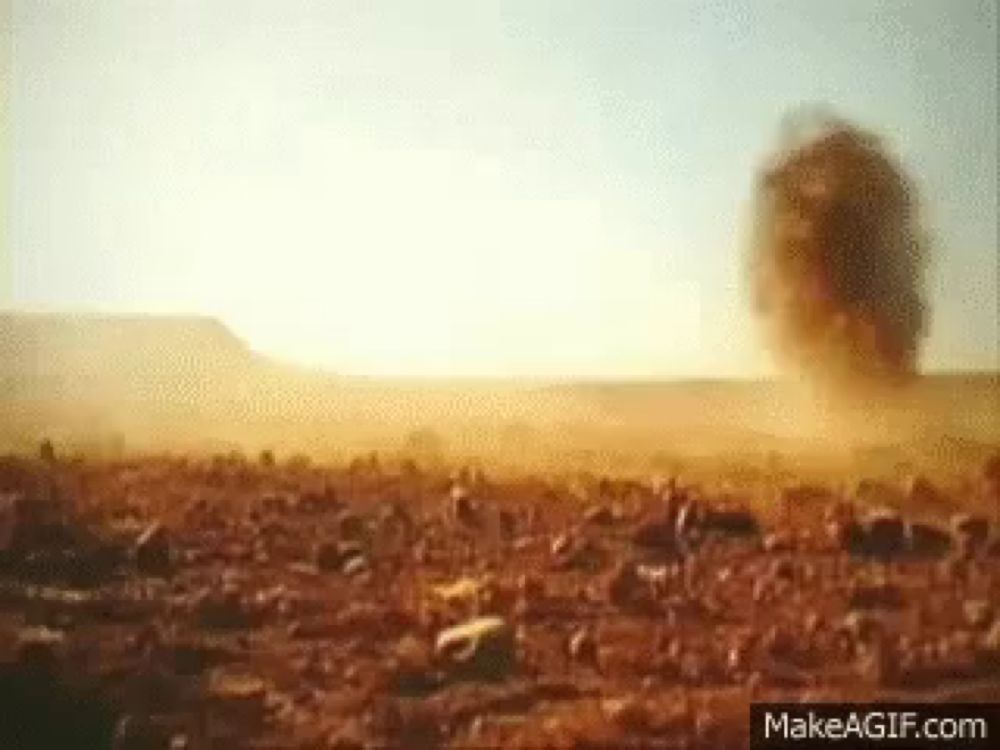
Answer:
(837, 260)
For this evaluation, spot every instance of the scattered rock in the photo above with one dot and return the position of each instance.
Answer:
(46, 451)
(570, 552)
(877, 664)
(923, 493)
(464, 590)
(410, 724)
(411, 667)
(875, 595)
(333, 556)
(775, 542)
(978, 613)
(240, 697)
(730, 522)
(461, 508)
(674, 614)
(355, 566)
(40, 647)
(657, 579)
(971, 531)
(860, 626)
(44, 705)
(783, 569)
(348, 737)
(630, 713)
(136, 733)
(583, 646)
(926, 540)
(806, 496)
(884, 534)
(991, 641)
(561, 546)
(874, 493)
(350, 527)
(153, 553)
(777, 643)
(623, 584)
(598, 515)
(223, 609)
(480, 648)
(656, 533)
(506, 524)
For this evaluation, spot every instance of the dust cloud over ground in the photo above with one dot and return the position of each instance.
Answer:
(110, 386)
(838, 258)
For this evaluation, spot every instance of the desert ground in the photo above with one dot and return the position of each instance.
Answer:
(227, 602)
(280, 560)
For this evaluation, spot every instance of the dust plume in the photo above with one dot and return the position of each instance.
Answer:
(837, 258)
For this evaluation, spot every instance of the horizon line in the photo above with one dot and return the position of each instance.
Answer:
(329, 370)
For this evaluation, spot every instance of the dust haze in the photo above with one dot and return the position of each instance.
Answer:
(117, 384)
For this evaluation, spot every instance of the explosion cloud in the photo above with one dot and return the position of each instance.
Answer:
(838, 257)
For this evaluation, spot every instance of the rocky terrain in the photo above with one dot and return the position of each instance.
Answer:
(226, 602)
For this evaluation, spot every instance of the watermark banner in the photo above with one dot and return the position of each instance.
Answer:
(880, 726)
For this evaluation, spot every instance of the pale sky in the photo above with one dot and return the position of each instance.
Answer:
(546, 188)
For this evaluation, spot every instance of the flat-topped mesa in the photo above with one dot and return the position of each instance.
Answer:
(54, 343)
(63, 361)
